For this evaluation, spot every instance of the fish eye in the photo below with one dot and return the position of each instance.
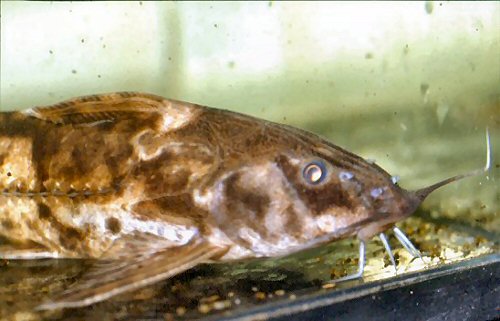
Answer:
(314, 172)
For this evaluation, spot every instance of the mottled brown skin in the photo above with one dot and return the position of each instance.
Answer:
(78, 177)
(248, 141)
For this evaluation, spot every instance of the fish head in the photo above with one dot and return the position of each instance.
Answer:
(288, 188)
(342, 193)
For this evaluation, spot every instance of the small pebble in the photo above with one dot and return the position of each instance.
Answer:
(210, 299)
(279, 292)
(204, 308)
(180, 311)
(219, 305)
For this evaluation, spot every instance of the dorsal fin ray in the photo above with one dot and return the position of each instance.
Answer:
(96, 108)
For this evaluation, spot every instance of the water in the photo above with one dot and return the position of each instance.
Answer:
(403, 84)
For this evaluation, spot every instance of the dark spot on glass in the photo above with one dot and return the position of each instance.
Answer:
(73, 71)
(429, 6)
(368, 55)
(424, 88)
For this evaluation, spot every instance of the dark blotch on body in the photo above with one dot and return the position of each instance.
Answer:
(44, 212)
(159, 178)
(238, 196)
(82, 163)
(243, 206)
(114, 225)
(182, 206)
(293, 224)
(69, 237)
(179, 209)
(7, 224)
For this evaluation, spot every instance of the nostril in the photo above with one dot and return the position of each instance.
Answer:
(345, 176)
(376, 192)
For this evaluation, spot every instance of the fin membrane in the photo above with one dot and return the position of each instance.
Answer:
(133, 270)
(98, 108)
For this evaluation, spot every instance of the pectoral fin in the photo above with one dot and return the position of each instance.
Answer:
(26, 252)
(133, 270)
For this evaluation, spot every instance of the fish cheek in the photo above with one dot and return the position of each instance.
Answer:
(245, 199)
(257, 206)
(329, 196)
(242, 205)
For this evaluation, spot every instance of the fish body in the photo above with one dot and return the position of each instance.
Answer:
(131, 178)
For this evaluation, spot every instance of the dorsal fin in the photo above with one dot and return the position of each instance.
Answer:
(97, 108)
